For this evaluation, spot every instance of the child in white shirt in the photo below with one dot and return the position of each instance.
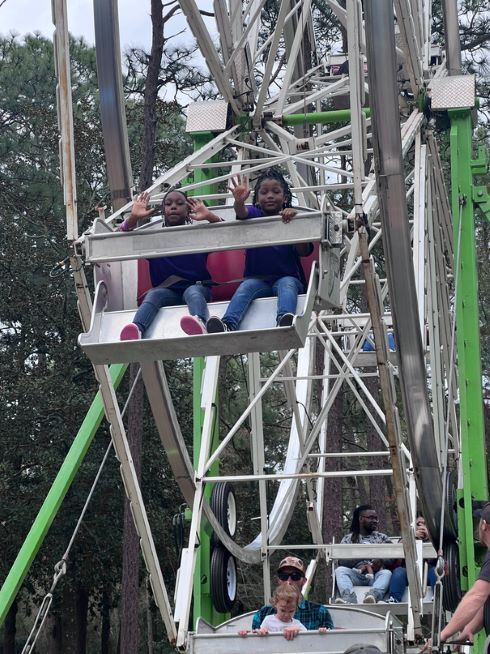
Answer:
(285, 600)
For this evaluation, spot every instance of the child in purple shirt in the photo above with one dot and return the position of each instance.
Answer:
(174, 279)
(270, 271)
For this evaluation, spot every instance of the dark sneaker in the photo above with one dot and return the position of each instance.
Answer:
(346, 598)
(130, 332)
(340, 600)
(286, 320)
(215, 325)
(192, 325)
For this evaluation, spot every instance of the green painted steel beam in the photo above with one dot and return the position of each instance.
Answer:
(55, 497)
(203, 604)
(472, 433)
(324, 117)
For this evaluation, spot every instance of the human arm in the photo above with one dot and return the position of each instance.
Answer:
(473, 627)
(240, 190)
(348, 563)
(199, 211)
(382, 563)
(467, 634)
(470, 610)
(324, 619)
(139, 210)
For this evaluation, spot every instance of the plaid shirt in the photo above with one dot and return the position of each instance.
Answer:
(311, 614)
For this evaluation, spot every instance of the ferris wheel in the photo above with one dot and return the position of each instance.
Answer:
(352, 133)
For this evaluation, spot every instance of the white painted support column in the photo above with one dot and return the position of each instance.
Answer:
(258, 463)
(419, 228)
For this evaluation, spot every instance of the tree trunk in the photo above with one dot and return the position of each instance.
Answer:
(129, 636)
(151, 93)
(74, 620)
(105, 632)
(53, 643)
(131, 546)
(81, 619)
(9, 630)
(149, 618)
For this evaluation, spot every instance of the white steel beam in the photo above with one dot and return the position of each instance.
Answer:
(208, 51)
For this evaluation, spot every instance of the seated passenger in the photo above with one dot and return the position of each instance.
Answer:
(367, 346)
(399, 579)
(270, 271)
(367, 570)
(174, 279)
(359, 573)
(291, 572)
(285, 600)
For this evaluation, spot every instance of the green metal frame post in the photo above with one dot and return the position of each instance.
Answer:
(472, 434)
(203, 605)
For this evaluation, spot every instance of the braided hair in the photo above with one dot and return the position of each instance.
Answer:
(174, 190)
(273, 173)
(355, 525)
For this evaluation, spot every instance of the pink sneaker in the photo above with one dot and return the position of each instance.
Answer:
(130, 332)
(192, 325)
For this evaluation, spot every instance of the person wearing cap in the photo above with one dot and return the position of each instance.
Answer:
(473, 611)
(291, 571)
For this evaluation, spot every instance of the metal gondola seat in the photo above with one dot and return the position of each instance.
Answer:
(120, 279)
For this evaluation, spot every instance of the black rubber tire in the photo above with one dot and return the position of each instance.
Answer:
(451, 588)
(223, 579)
(223, 505)
(451, 498)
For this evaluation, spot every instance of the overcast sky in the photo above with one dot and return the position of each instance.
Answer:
(28, 16)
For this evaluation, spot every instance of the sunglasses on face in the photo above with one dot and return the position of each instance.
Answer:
(294, 576)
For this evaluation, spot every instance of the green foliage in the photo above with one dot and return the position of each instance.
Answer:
(46, 382)
(172, 143)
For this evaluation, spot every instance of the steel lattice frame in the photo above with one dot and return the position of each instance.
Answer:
(322, 162)
(327, 161)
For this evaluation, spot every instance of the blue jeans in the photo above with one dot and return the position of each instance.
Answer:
(346, 578)
(286, 289)
(399, 581)
(196, 297)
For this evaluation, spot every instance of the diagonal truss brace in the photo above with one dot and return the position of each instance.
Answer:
(393, 431)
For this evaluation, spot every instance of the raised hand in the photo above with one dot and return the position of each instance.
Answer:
(240, 188)
(141, 208)
(197, 209)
